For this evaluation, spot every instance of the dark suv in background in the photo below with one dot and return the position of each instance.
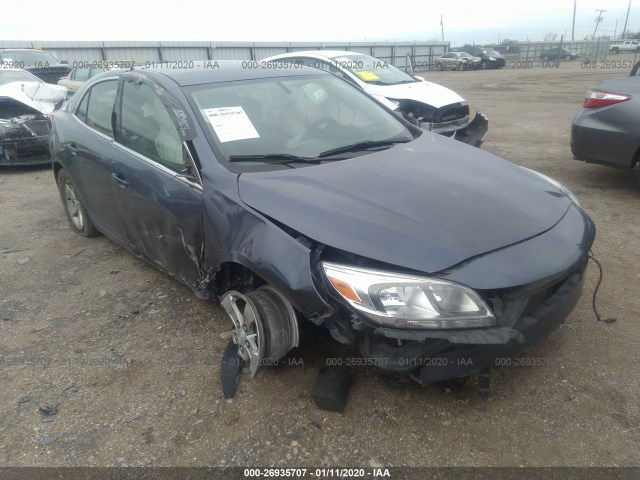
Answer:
(41, 64)
(489, 58)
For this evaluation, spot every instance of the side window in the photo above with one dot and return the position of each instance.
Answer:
(147, 127)
(81, 74)
(101, 99)
(81, 111)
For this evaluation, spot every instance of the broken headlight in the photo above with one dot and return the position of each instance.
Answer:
(405, 301)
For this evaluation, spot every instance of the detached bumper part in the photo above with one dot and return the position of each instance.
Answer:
(474, 133)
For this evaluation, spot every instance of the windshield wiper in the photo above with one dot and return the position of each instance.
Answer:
(277, 158)
(356, 147)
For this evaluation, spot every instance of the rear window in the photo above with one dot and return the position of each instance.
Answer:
(8, 76)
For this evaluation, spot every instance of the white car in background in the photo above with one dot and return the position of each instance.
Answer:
(25, 103)
(425, 104)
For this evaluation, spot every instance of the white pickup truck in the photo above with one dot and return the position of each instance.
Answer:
(625, 46)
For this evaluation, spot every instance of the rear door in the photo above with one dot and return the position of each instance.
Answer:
(88, 145)
(158, 190)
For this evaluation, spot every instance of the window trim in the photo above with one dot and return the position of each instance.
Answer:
(88, 92)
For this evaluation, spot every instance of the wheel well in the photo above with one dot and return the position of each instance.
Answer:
(56, 169)
(636, 158)
(235, 276)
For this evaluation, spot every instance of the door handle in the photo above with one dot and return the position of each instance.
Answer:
(72, 149)
(120, 180)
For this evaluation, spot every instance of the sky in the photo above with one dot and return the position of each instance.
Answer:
(465, 21)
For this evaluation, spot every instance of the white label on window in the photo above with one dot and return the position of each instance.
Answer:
(231, 123)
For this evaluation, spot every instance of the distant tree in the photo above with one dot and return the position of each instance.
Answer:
(550, 37)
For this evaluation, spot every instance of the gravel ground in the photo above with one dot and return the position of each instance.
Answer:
(129, 359)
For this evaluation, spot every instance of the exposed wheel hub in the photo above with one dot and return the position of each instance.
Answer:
(264, 325)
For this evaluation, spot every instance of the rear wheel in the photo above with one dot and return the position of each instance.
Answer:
(74, 208)
(439, 65)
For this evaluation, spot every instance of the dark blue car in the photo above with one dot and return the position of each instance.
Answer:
(293, 197)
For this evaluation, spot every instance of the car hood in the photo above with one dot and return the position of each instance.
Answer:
(426, 205)
(424, 92)
(38, 96)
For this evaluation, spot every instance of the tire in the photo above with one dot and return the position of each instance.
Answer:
(484, 65)
(460, 67)
(616, 50)
(77, 215)
(439, 66)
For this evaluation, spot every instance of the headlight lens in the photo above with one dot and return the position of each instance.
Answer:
(558, 185)
(405, 301)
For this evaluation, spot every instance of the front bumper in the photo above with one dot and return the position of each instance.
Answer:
(462, 353)
(461, 129)
(531, 286)
(474, 133)
(24, 141)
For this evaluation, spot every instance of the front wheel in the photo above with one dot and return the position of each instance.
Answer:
(74, 208)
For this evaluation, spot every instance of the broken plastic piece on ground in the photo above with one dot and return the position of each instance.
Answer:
(230, 368)
(331, 390)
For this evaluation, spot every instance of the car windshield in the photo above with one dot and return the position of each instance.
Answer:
(493, 53)
(308, 118)
(8, 76)
(29, 58)
(372, 70)
(464, 55)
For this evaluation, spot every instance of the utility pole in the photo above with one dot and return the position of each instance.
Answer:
(624, 30)
(615, 31)
(442, 27)
(573, 26)
(599, 18)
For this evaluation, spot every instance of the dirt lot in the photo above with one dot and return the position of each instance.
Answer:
(131, 357)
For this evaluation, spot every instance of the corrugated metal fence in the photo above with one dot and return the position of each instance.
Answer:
(421, 53)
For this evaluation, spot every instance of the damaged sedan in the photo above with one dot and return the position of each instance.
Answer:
(425, 104)
(292, 197)
(25, 101)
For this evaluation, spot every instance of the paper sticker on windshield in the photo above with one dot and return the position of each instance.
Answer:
(368, 76)
(231, 123)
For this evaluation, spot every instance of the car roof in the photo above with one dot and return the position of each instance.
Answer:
(216, 71)
(320, 53)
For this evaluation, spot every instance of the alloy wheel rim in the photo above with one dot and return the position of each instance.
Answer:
(247, 331)
(73, 206)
